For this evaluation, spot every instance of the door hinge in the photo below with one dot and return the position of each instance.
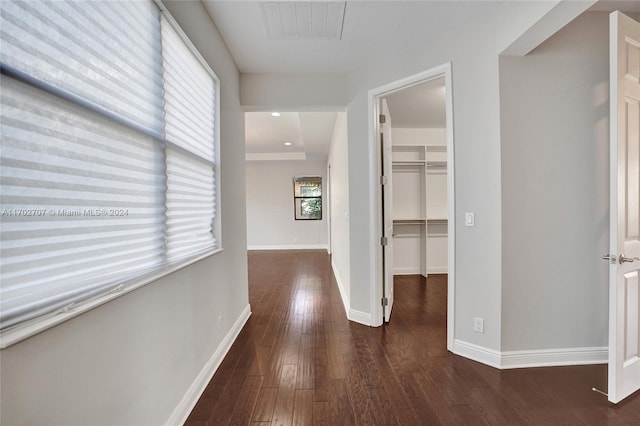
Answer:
(383, 180)
(383, 119)
(384, 241)
(385, 301)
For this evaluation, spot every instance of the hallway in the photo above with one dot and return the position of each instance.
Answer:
(299, 361)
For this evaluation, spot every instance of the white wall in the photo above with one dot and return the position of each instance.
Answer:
(294, 92)
(339, 199)
(270, 210)
(419, 136)
(131, 361)
(477, 153)
(472, 48)
(555, 194)
(516, 17)
(532, 22)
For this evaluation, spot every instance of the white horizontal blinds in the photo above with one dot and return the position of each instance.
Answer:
(82, 203)
(107, 52)
(107, 166)
(189, 132)
(190, 206)
(189, 97)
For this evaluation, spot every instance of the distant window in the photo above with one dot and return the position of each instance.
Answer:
(307, 197)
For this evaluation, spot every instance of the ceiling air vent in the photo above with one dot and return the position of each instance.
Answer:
(303, 20)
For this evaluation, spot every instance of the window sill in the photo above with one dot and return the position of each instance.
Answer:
(21, 332)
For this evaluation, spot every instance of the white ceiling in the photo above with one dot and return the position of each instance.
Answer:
(309, 133)
(630, 6)
(259, 44)
(303, 20)
(369, 27)
(419, 106)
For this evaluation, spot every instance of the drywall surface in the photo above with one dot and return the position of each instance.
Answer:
(131, 361)
(419, 136)
(339, 199)
(472, 49)
(270, 208)
(477, 171)
(513, 19)
(304, 92)
(555, 190)
(536, 20)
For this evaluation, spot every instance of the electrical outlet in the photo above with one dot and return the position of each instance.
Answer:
(478, 325)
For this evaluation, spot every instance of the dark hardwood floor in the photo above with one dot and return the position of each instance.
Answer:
(298, 361)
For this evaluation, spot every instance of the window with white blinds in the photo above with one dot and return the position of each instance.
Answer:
(107, 163)
(189, 125)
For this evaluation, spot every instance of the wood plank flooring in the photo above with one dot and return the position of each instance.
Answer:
(298, 361)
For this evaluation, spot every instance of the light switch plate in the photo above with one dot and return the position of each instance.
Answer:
(469, 219)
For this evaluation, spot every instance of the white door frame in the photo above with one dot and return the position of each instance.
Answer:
(375, 249)
(327, 203)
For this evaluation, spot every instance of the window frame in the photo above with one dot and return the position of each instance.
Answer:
(38, 324)
(299, 215)
(217, 222)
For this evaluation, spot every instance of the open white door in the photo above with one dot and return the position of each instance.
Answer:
(387, 209)
(624, 257)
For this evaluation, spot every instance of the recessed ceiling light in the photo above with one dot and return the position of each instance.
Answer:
(288, 144)
(275, 114)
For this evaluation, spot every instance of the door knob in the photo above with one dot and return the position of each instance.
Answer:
(622, 259)
(619, 259)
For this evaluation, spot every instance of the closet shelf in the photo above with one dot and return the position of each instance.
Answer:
(437, 164)
(420, 220)
(419, 215)
(409, 221)
(438, 220)
(409, 163)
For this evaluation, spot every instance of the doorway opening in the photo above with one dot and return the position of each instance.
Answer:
(411, 122)
(287, 201)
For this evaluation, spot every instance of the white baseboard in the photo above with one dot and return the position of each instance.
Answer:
(406, 271)
(416, 271)
(554, 357)
(190, 398)
(532, 358)
(360, 317)
(343, 293)
(477, 353)
(290, 247)
(352, 314)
